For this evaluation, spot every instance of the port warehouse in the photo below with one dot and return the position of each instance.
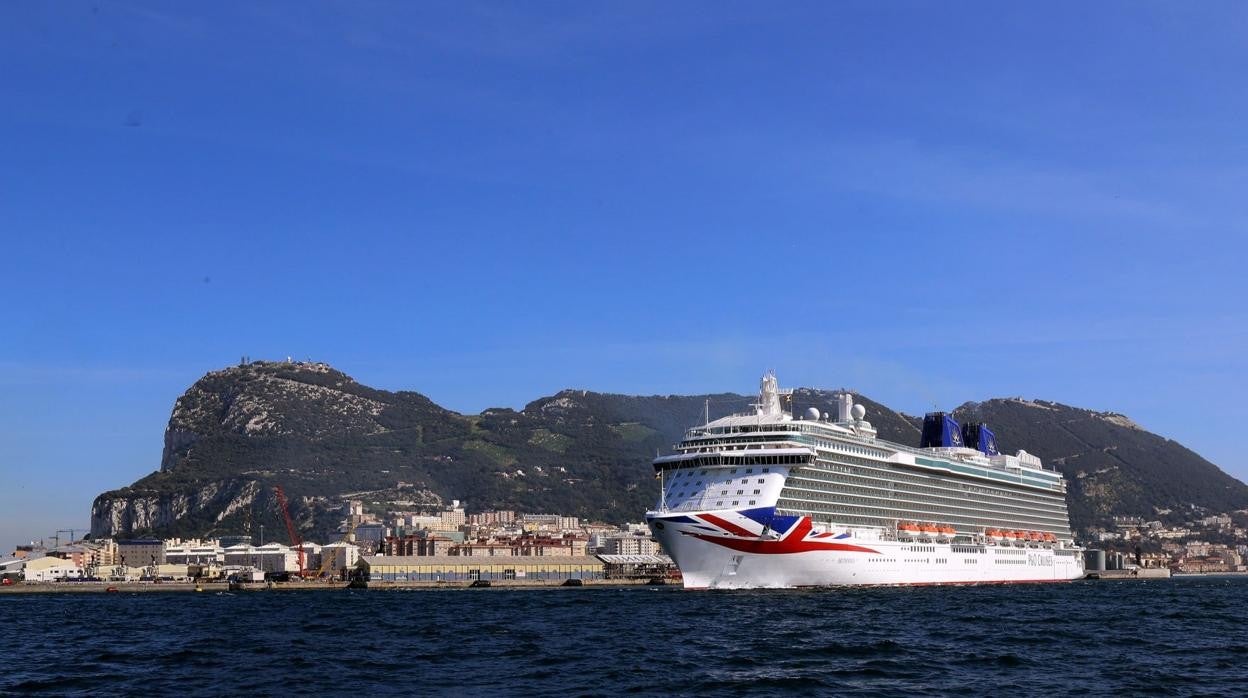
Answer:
(454, 568)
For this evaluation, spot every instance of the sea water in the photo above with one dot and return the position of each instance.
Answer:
(1180, 636)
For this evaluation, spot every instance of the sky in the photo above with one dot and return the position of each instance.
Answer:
(489, 202)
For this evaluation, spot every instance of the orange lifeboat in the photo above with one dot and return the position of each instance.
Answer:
(1049, 538)
(1020, 536)
(1034, 536)
(992, 535)
(948, 531)
(908, 528)
(928, 529)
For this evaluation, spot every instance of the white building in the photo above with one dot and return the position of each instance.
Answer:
(337, 557)
(631, 545)
(50, 569)
(194, 552)
(172, 572)
(271, 557)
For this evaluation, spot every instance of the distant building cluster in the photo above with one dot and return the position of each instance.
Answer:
(447, 543)
(1195, 542)
(174, 559)
(502, 533)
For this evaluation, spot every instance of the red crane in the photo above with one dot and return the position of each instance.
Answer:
(295, 541)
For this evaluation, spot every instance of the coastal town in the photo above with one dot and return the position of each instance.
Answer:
(442, 546)
(450, 546)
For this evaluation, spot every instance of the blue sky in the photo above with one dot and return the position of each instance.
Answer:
(486, 203)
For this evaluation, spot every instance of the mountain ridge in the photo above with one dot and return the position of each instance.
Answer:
(321, 435)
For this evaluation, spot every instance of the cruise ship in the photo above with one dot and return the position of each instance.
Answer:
(770, 499)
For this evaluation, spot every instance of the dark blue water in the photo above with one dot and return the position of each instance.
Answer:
(1179, 637)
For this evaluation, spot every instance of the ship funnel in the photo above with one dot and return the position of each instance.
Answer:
(978, 435)
(940, 430)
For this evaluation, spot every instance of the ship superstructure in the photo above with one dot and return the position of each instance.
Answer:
(766, 499)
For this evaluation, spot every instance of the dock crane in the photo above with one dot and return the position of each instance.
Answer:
(295, 540)
(70, 531)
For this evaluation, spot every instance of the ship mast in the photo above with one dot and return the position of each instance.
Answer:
(769, 393)
(662, 492)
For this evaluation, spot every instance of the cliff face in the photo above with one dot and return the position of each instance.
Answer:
(324, 438)
(237, 432)
(137, 511)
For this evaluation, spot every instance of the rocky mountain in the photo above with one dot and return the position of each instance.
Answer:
(325, 438)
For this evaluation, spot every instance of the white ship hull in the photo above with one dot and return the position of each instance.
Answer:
(728, 550)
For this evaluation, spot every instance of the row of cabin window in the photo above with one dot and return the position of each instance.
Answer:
(873, 483)
(954, 514)
(723, 493)
(747, 460)
(689, 472)
(897, 476)
(1016, 504)
(881, 517)
(936, 485)
(841, 483)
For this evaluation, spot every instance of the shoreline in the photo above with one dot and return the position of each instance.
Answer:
(24, 588)
(213, 587)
